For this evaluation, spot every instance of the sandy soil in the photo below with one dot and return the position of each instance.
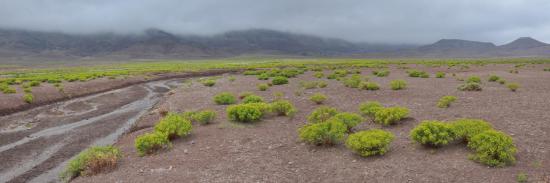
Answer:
(270, 150)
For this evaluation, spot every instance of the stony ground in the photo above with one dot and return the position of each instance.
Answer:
(270, 150)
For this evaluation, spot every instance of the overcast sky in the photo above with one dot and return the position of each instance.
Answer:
(380, 21)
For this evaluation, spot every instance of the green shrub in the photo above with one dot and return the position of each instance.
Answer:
(318, 98)
(470, 86)
(390, 115)
(92, 161)
(28, 97)
(349, 119)
(522, 178)
(513, 86)
(417, 73)
(318, 74)
(433, 133)
(252, 99)
(325, 133)
(245, 112)
(283, 108)
(473, 79)
(322, 84)
(465, 129)
(370, 108)
(493, 148)
(440, 75)
(493, 78)
(398, 84)
(353, 81)
(279, 80)
(150, 142)
(174, 126)
(231, 78)
(34, 83)
(263, 87)
(263, 76)
(370, 142)
(332, 76)
(6, 89)
(309, 84)
(225, 98)
(369, 86)
(209, 82)
(203, 117)
(446, 101)
(322, 114)
(501, 81)
(381, 73)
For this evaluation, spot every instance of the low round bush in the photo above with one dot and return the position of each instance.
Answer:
(493, 148)
(370, 108)
(513, 86)
(204, 117)
(325, 133)
(92, 161)
(493, 78)
(28, 98)
(283, 108)
(390, 115)
(417, 74)
(381, 73)
(465, 129)
(252, 99)
(440, 75)
(433, 133)
(225, 98)
(349, 119)
(446, 101)
(322, 84)
(209, 82)
(470, 86)
(279, 80)
(263, 76)
(370, 142)
(150, 142)
(369, 86)
(318, 74)
(473, 79)
(174, 125)
(322, 114)
(245, 112)
(263, 87)
(318, 98)
(398, 84)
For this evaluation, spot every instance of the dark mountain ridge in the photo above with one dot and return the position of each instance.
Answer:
(154, 43)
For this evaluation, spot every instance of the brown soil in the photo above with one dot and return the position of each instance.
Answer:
(48, 94)
(270, 150)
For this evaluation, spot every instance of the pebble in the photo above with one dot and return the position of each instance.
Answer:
(192, 142)
(354, 161)
(270, 147)
(290, 162)
(185, 151)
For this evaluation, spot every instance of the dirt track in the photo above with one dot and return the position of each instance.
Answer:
(270, 151)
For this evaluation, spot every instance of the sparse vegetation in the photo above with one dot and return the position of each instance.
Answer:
(28, 98)
(225, 98)
(150, 142)
(279, 80)
(370, 142)
(263, 87)
(349, 119)
(473, 79)
(440, 75)
(319, 74)
(445, 101)
(522, 177)
(209, 82)
(493, 78)
(493, 148)
(369, 86)
(318, 98)
(390, 115)
(92, 161)
(203, 117)
(174, 125)
(513, 86)
(381, 73)
(322, 84)
(433, 133)
(324, 133)
(253, 99)
(418, 74)
(309, 84)
(322, 114)
(398, 84)
(470, 86)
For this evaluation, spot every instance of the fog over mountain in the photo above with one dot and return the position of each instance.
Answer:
(391, 21)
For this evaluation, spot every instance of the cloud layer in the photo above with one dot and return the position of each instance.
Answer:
(388, 21)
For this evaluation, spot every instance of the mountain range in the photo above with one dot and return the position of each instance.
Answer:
(154, 43)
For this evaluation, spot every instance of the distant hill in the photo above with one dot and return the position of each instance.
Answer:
(154, 43)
